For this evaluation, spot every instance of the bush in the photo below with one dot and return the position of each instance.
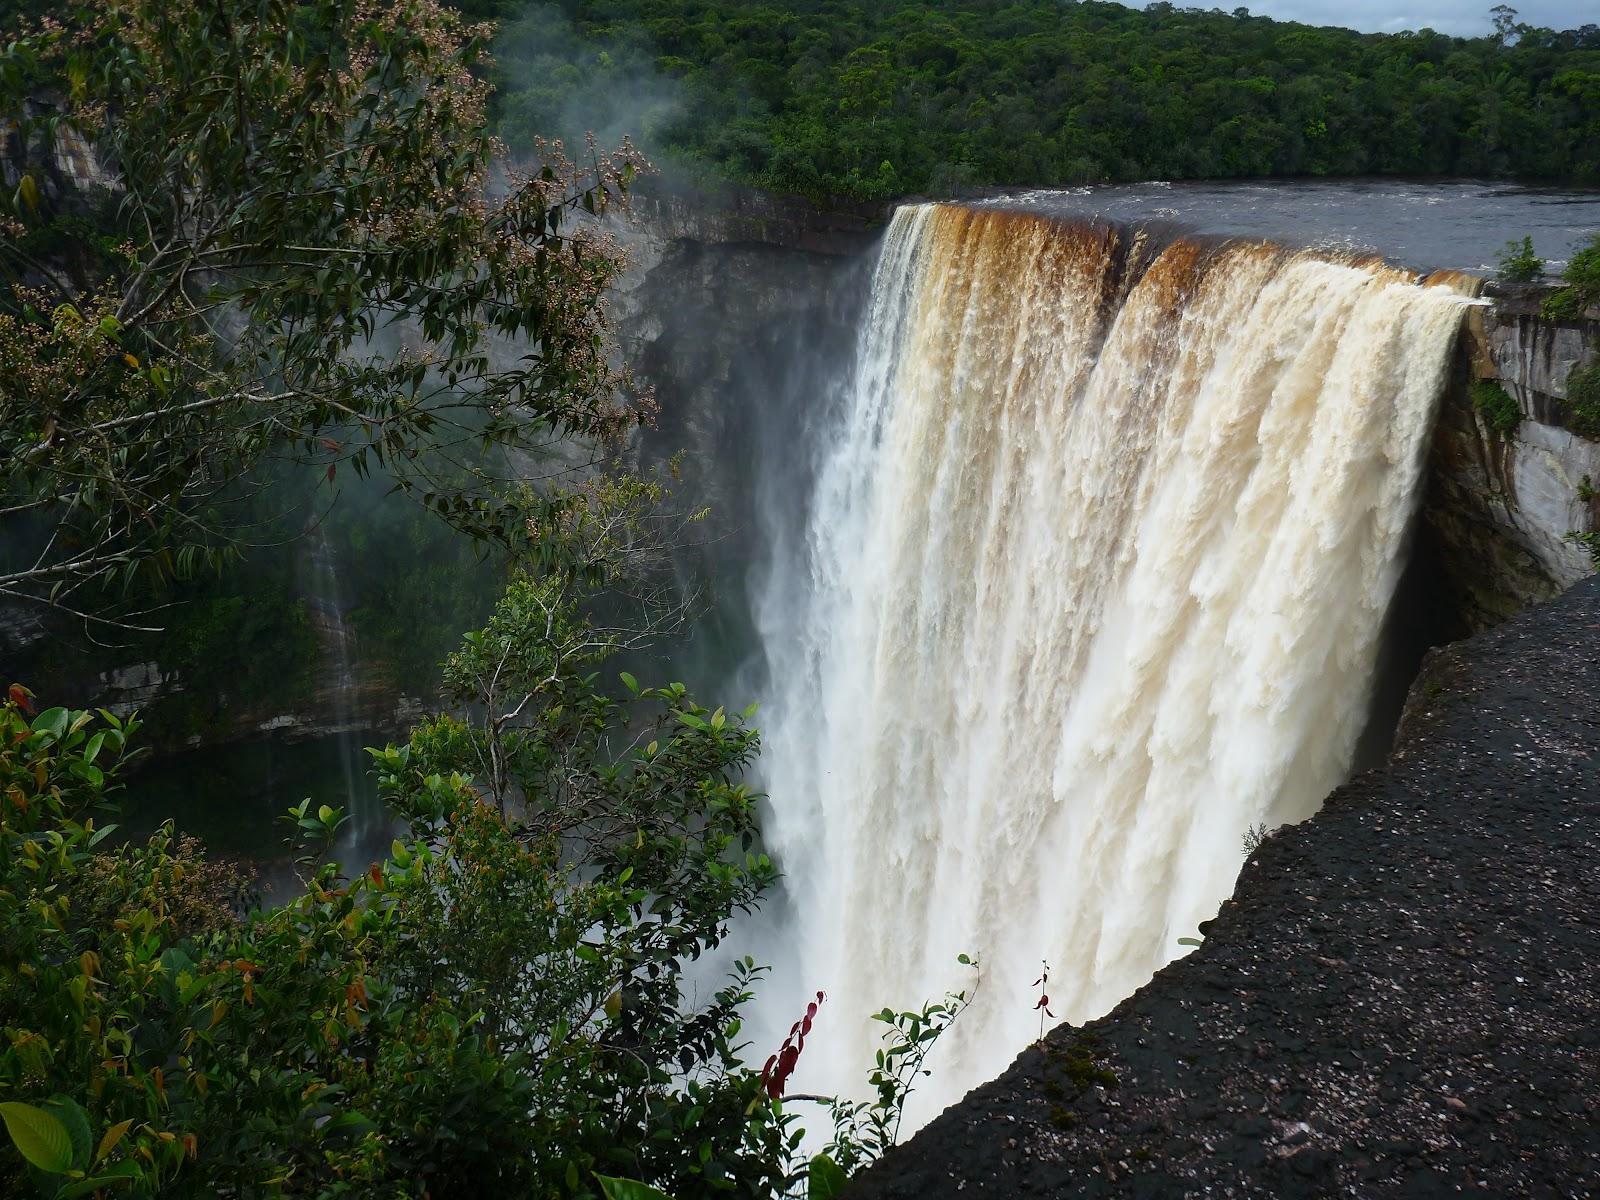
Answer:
(1583, 400)
(494, 1010)
(1582, 288)
(1589, 542)
(1518, 262)
(1496, 406)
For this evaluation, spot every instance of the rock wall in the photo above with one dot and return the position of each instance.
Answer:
(1500, 507)
(741, 311)
(735, 307)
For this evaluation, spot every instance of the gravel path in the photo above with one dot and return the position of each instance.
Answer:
(1400, 1000)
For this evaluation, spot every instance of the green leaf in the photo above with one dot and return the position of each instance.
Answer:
(27, 194)
(123, 1172)
(53, 720)
(39, 1137)
(109, 1140)
(629, 1189)
(629, 682)
(76, 1122)
(353, 1123)
(825, 1179)
(1187, 941)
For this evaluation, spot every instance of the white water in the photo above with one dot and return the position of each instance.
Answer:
(1093, 580)
(367, 818)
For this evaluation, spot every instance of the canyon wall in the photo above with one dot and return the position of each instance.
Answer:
(1500, 506)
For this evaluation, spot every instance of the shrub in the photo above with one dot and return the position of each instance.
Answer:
(1496, 406)
(1518, 262)
(1589, 541)
(1583, 400)
(1582, 278)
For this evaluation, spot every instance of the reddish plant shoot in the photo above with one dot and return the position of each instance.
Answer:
(775, 1075)
(1043, 1006)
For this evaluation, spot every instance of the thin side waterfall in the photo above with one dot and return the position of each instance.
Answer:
(1093, 579)
(365, 814)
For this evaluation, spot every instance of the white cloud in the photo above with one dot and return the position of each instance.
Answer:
(1462, 18)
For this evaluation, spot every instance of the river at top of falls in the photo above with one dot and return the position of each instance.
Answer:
(1092, 579)
(1457, 224)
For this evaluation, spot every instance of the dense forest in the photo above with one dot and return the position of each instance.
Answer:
(836, 97)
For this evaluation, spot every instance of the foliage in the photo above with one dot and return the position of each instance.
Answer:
(494, 1010)
(1581, 278)
(314, 252)
(1496, 406)
(498, 1008)
(834, 98)
(1583, 400)
(1255, 837)
(864, 1130)
(1589, 541)
(1519, 263)
(637, 798)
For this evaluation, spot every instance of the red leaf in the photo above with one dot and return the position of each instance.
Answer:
(22, 698)
(1044, 1002)
(782, 1064)
(332, 470)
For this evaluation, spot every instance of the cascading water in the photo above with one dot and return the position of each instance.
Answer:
(1093, 579)
(367, 818)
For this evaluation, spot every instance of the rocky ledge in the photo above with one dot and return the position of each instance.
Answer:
(1401, 998)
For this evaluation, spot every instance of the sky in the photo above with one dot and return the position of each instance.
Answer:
(1464, 18)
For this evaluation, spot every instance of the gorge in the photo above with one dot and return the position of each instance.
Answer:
(1120, 444)
(535, 668)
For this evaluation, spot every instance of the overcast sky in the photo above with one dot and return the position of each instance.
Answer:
(1464, 18)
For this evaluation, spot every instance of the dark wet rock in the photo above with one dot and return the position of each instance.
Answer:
(1411, 1005)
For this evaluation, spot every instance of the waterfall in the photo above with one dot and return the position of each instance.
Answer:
(367, 820)
(1102, 539)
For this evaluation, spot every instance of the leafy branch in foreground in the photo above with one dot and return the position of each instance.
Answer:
(312, 248)
(863, 1131)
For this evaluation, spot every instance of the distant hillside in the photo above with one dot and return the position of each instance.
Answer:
(868, 100)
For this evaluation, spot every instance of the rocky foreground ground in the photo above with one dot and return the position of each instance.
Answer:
(1401, 999)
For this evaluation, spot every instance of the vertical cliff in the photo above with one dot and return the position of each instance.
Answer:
(1501, 504)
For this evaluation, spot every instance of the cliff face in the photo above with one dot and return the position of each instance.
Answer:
(1501, 506)
(741, 311)
(1398, 1000)
(736, 306)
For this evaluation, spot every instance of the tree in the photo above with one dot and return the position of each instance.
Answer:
(305, 244)
(496, 1009)
(1519, 263)
(1505, 23)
